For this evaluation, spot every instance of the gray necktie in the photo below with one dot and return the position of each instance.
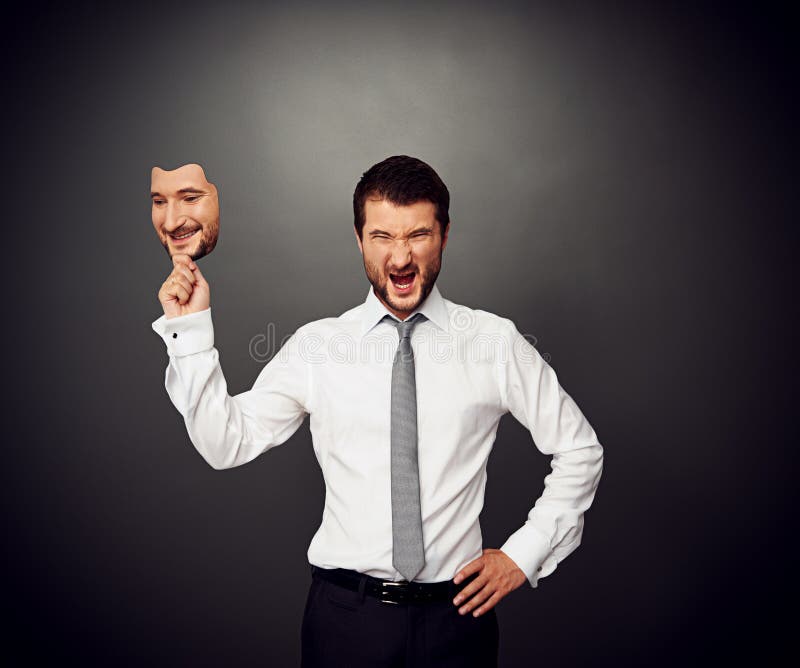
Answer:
(408, 552)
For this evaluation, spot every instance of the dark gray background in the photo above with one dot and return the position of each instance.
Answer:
(619, 181)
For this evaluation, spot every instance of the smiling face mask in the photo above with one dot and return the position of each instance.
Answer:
(185, 210)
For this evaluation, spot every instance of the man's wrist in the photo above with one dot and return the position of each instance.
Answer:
(186, 334)
(527, 548)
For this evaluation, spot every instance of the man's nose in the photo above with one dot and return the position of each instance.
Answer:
(401, 254)
(174, 218)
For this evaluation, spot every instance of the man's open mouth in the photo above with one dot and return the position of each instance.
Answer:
(184, 236)
(403, 281)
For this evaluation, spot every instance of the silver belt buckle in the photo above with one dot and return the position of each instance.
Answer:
(390, 583)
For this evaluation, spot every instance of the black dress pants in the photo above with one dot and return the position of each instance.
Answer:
(348, 629)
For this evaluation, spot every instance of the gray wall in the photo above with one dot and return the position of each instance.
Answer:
(619, 181)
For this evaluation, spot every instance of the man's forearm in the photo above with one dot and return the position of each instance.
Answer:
(227, 431)
(555, 523)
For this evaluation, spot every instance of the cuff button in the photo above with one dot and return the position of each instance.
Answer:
(175, 335)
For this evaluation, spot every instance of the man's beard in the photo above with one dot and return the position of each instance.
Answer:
(426, 279)
(205, 246)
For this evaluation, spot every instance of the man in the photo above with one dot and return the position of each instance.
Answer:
(399, 573)
(185, 210)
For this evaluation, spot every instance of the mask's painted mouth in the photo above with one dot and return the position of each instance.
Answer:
(403, 283)
(183, 237)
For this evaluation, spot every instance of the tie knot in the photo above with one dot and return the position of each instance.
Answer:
(404, 327)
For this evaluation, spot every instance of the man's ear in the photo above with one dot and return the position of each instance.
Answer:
(444, 236)
(358, 240)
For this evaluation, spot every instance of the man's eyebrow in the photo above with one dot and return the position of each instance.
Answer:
(424, 228)
(182, 191)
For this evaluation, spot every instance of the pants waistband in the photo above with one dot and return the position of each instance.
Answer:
(389, 591)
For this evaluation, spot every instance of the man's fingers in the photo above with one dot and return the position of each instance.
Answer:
(494, 599)
(182, 259)
(476, 585)
(469, 569)
(182, 294)
(184, 288)
(178, 286)
(479, 597)
(183, 270)
(496, 579)
(181, 281)
(198, 276)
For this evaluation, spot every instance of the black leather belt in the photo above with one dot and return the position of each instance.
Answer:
(388, 591)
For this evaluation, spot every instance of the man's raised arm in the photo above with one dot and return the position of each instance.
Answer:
(226, 430)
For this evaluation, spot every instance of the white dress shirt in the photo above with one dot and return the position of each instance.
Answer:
(472, 367)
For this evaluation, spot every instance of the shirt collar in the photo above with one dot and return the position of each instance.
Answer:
(433, 308)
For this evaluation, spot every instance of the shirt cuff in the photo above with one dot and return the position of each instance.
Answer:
(528, 549)
(186, 334)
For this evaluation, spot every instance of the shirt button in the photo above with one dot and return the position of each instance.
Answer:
(175, 335)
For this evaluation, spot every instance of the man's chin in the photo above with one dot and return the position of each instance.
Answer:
(403, 302)
(195, 252)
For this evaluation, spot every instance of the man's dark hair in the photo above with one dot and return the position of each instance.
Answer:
(401, 180)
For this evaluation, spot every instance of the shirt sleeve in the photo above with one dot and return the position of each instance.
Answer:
(231, 430)
(532, 394)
